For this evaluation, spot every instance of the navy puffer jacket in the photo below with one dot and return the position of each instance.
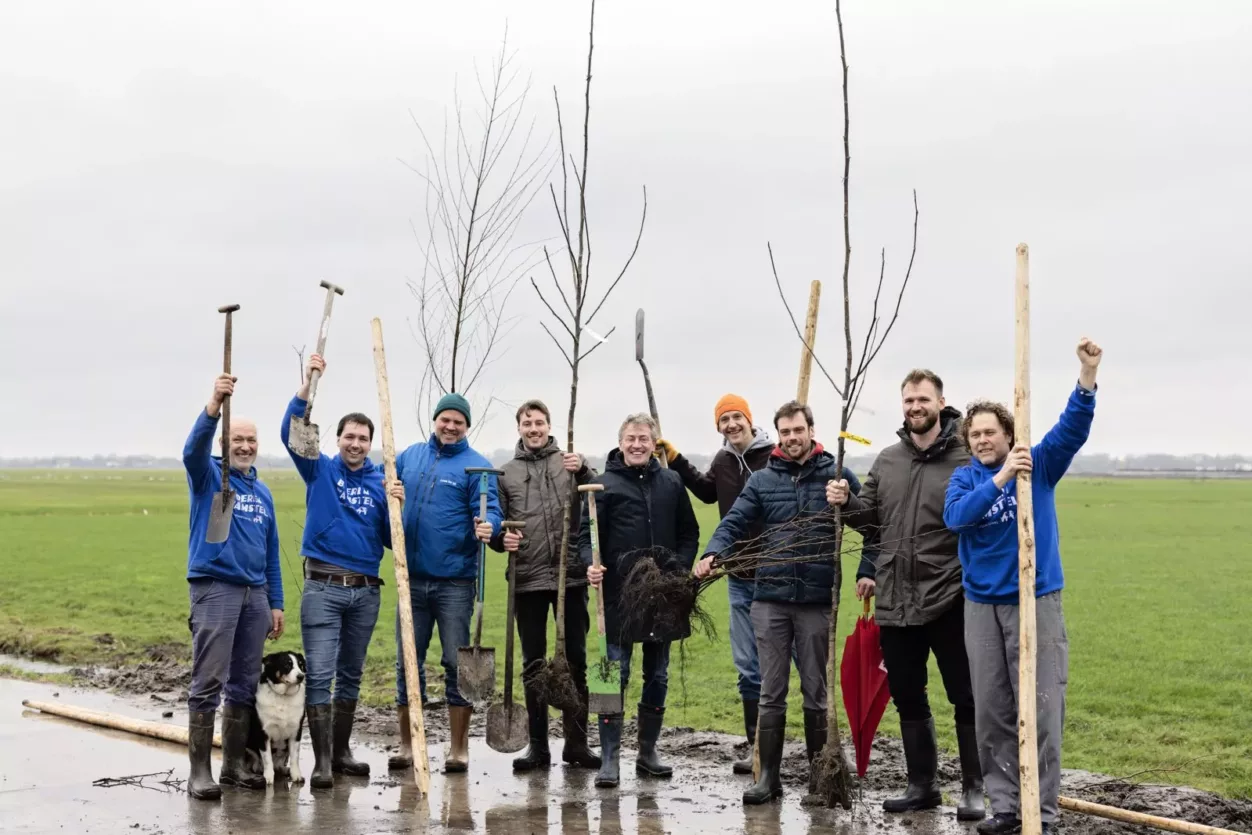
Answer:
(775, 498)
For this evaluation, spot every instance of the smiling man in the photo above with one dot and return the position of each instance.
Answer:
(745, 449)
(443, 537)
(236, 590)
(534, 489)
(346, 528)
(644, 510)
(916, 577)
(797, 580)
(982, 509)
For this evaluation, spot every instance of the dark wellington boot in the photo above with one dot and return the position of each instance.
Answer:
(770, 742)
(200, 784)
(342, 761)
(610, 747)
(319, 717)
(647, 763)
(973, 805)
(921, 757)
(750, 708)
(236, 722)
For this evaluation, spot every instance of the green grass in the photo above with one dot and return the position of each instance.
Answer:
(1156, 604)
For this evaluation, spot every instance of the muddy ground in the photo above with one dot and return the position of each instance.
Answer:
(703, 795)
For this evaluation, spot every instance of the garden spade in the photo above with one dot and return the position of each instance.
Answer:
(604, 684)
(647, 381)
(223, 506)
(507, 730)
(305, 439)
(476, 664)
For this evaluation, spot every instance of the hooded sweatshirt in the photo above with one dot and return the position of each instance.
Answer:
(440, 503)
(346, 523)
(728, 471)
(984, 516)
(250, 554)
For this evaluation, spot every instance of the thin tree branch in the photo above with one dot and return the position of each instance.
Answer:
(796, 325)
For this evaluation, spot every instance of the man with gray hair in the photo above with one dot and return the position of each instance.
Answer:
(643, 511)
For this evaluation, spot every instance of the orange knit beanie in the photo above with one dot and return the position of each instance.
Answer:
(731, 403)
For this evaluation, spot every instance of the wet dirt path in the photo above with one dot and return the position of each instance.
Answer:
(47, 765)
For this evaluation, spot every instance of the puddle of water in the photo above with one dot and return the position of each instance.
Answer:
(30, 665)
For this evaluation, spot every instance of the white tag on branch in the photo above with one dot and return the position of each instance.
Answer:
(597, 337)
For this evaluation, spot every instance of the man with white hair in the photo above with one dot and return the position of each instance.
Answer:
(236, 590)
(643, 511)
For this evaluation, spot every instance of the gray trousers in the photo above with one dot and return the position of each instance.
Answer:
(991, 641)
(779, 626)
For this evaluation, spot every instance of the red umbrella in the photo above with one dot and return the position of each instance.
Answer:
(863, 678)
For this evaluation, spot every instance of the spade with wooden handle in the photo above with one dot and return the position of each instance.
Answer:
(604, 683)
(507, 729)
(647, 380)
(305, 439)
(223, 507)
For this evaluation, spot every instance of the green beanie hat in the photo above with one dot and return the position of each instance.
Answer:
(453, 401)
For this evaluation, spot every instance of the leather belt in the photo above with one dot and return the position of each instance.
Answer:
(344, 579)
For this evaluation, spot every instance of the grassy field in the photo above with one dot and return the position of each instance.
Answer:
(1157, 603)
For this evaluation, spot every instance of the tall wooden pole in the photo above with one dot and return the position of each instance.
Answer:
(417, 723)
(1027, 743)
(810, 333)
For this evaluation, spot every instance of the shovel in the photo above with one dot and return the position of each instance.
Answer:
(647, 381)
(223, 507)
(604, 684)
(304, 438)
(476, 664)
(507, 730)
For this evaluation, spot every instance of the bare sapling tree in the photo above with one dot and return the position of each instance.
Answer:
(478, 189)
(574, 313)
(832, 776)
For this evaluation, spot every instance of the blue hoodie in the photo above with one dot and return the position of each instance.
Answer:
(346, 521)
(249, 556)
(440, 503)
(984, 516)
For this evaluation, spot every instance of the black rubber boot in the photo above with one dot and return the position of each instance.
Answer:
(610, 747)
(973, 805)
(342, 761)
(236, 722)
(815, 731)
(770, 742)
(576, 751)
(537, 755)
(750, 708)
(200, 783)
(647, 763)
(1001, 824)
(921, 756)
(320, 720)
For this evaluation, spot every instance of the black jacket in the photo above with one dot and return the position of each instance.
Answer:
(642, 510)
(775, 498)
(917, 570)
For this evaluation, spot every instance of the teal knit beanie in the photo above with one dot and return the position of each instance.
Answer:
(453, 401)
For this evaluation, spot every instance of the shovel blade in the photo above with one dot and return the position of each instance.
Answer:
(476, 673)
(220, 514)
(604, 687)
(507, 729)
(304, 438)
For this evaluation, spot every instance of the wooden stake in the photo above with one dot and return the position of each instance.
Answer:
(802, 395)
(810, 333)
(142, 727)
(1027, 743)
(1127, 816)
(417, 723)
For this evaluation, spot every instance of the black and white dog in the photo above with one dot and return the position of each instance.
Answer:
(278, 717)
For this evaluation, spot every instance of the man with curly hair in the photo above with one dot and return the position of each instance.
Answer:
(981, 507)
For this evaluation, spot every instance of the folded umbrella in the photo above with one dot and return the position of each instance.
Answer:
(863, 681)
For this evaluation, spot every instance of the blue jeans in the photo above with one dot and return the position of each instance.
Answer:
(336, 624)
(743, 638)
(228, 628)
(450, 605)
(655, 670)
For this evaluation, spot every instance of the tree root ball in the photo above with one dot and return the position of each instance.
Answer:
(553, 682)
(661, 601)
(831, 777)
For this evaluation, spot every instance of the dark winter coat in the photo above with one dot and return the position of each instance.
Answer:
(774, 498)
(534, 489)
(640, 508)
(917, 570)
(724, 481)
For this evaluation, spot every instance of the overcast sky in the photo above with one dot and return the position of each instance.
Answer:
(158, 160)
